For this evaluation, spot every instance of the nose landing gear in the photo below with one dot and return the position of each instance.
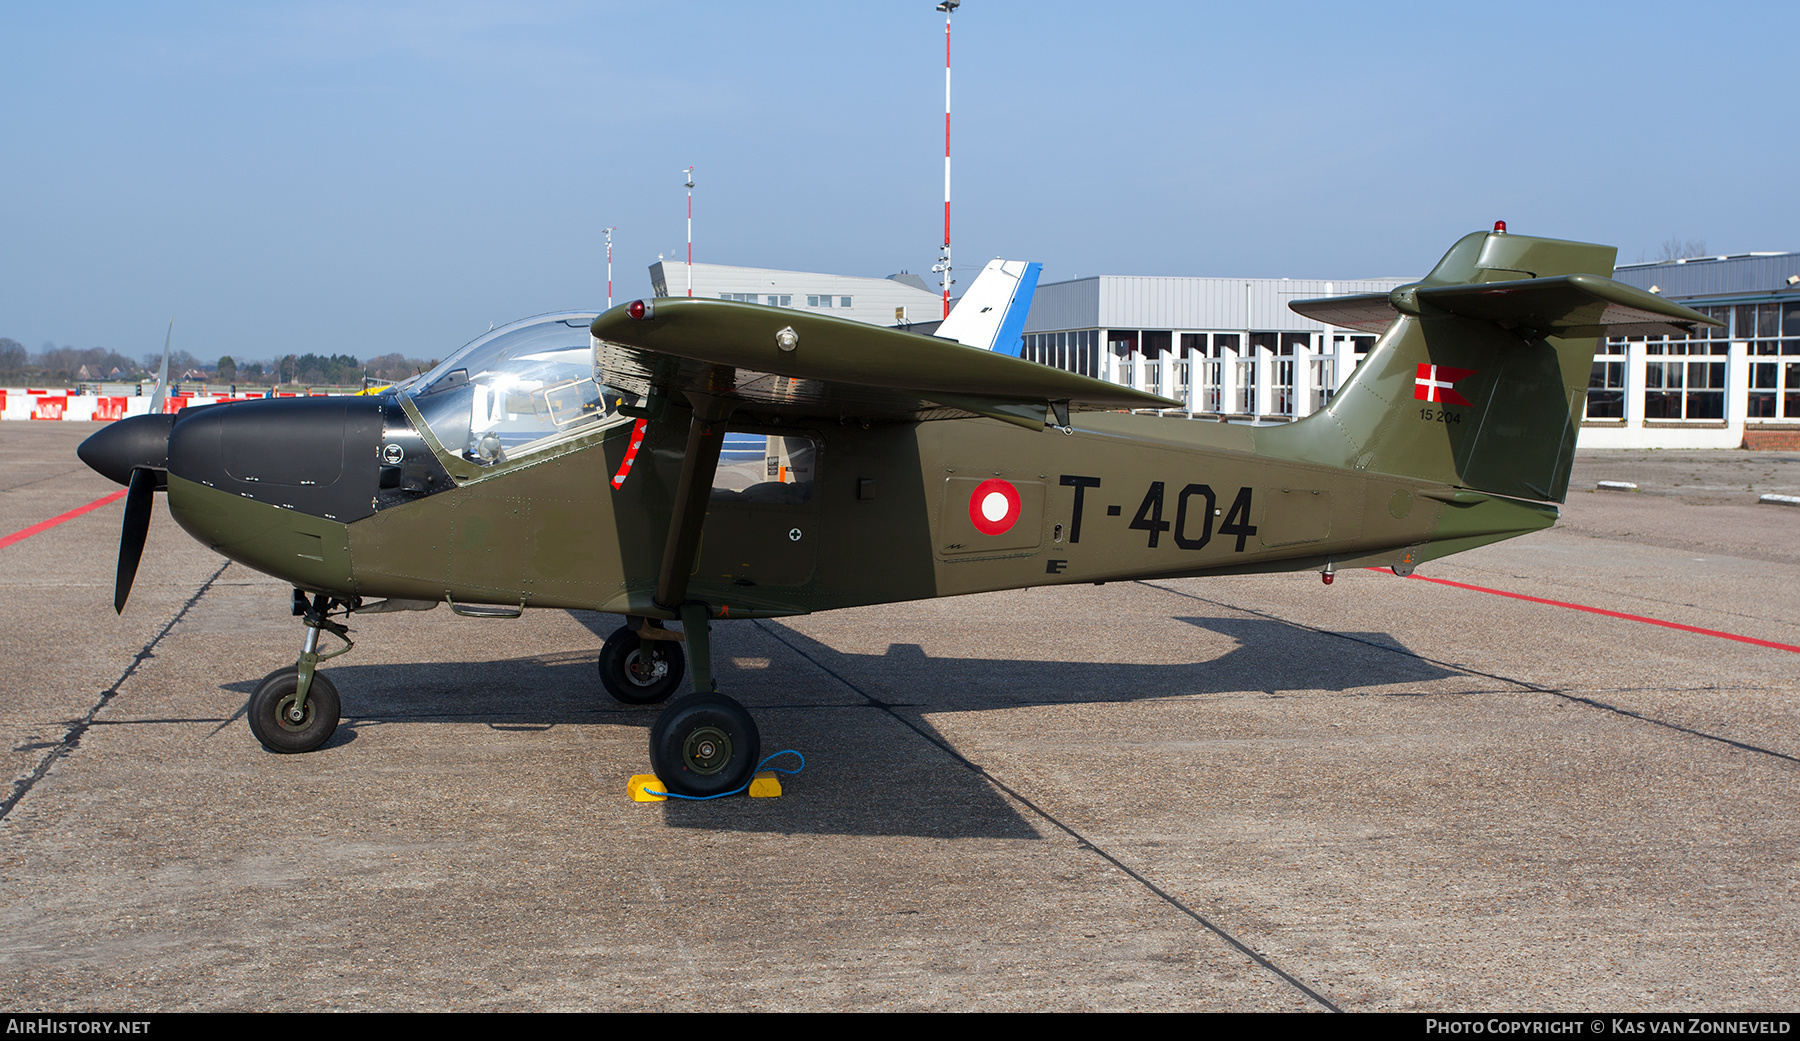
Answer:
(295, 709)
(642, 666)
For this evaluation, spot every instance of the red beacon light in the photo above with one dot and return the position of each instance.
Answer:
(1499, 227)
(639, 310)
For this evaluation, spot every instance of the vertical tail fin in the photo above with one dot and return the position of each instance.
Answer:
(1479, 378)
(991, 315)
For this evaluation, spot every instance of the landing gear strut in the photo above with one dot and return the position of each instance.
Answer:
(704, 743)
(295, 709)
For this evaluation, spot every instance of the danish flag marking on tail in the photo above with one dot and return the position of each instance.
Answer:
(1438, 382)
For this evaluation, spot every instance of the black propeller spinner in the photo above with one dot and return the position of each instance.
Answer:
(135, 453)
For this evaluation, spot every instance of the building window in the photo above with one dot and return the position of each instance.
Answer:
(1281, 392)
(779, 300)
(1682, 389)
(843, 301)
(818, 301)
(1606, 390)
(1684, 377)
(1324, 384)
(742, 298)
(1774, 380)
(1225, 348)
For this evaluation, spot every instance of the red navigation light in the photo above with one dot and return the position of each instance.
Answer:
(1499, 227)
(638, 309)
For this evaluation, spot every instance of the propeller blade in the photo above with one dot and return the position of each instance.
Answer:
(138, 498)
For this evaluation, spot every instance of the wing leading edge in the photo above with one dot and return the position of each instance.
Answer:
(836, 368)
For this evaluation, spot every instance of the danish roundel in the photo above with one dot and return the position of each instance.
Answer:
(994, 507)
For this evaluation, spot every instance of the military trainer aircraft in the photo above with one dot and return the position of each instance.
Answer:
(697, 461)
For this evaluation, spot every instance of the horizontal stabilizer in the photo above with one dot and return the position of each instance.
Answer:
(1563, 305)
(1369, 312)
(780, 361)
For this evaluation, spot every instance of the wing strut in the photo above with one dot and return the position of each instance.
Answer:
(699, 464)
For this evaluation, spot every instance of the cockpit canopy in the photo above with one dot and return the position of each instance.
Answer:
(516, 390)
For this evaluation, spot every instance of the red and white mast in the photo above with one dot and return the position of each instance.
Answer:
(943, 264)
(689, 171)
(609, 232)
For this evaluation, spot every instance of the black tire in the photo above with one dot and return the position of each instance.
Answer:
(704, 744)
(637, 678)
(270, 724)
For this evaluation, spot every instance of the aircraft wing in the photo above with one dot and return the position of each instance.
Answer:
(1563, 305)
(837, 369)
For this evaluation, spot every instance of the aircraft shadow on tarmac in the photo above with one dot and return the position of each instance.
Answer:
(866, 772)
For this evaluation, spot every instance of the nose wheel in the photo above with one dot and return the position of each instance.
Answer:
(704, 744)
(283, 721)
(638, 671)
(296, 709)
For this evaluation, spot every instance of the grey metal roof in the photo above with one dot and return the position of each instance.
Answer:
(1168, 302)
(1750, 274)
(879, 301)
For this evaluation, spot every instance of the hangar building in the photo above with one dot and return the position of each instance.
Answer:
(1228, 347)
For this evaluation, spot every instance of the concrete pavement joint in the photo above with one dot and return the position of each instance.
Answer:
(78, 727)
(1082, 841)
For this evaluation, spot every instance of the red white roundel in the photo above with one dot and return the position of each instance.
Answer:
(994, 507)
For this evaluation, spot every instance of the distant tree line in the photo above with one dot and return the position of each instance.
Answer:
(68, 365)
(56, 364)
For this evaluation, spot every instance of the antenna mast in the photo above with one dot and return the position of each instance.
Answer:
(689, 171)
(609, 232)
(943, 265)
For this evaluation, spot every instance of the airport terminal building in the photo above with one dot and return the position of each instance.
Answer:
(1231, 349)
(1720, 388)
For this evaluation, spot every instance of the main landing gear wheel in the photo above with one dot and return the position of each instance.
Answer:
(704, 744)
(281, 724)
(639, 671)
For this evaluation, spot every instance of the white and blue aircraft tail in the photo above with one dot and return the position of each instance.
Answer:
(991, 315)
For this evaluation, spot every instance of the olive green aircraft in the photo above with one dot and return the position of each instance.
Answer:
(700, 461)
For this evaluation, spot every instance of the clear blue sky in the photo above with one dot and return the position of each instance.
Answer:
(359, 178)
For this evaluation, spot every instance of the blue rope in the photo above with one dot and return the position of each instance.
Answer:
(745, 788)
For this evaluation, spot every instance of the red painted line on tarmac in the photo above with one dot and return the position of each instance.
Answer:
(1615, 614)
(19, 536)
